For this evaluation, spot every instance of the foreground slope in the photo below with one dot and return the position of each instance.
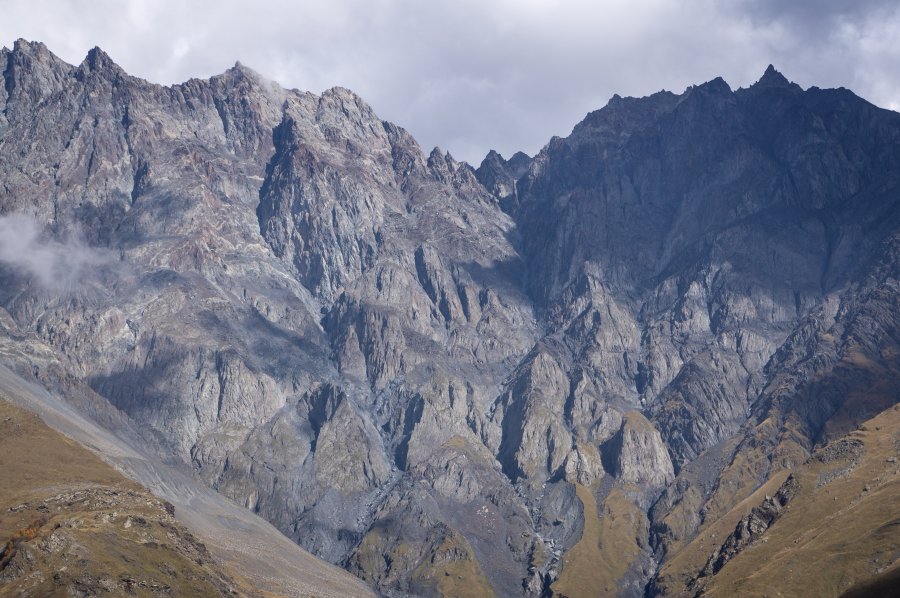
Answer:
(72, 523)
(829, 525)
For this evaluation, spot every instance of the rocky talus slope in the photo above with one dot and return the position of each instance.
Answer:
(549, 374)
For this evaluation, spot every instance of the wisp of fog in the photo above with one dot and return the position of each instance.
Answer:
(54, 264)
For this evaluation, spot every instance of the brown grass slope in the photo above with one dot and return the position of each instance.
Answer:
(607, 548)
(70, 525)
(839, 530)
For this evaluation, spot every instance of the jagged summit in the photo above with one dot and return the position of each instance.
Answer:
(241, 73)
(773, 78)
(242, 69)
(98, 61)
(439, 154)
(718, 85)
(27, 46)
(27, 55)
(26, 51)
(495, 156)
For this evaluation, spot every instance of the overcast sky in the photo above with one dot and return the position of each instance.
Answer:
(471, 75)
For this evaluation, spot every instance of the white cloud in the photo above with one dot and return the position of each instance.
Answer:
(54, 264)
(472, 75)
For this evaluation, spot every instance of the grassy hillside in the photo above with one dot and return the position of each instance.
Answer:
(840, 530)
(607, 548)
(71, 525)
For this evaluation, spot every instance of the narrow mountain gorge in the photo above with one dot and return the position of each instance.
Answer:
(545, 375)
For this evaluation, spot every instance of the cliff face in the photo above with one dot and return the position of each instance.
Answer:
(715, 222)
(388, 353)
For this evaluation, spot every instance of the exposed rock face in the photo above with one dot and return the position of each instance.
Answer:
(388, 353)
(752, 527)
(638, 453)
(668, 201)
(500, 176)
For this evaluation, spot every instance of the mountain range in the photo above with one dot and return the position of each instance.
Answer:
(627, 365)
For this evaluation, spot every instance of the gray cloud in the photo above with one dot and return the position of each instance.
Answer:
(54, 264)
(816, 15)
(471, 75)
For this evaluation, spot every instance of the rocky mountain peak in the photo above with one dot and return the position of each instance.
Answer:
(242, 71)
(348, 97)
(717, 86)
(500, 177)
(773, 78)
(442, 162)
(97, 61)
(348, 115)
(774, 81)
(493, 159)
(31, 72)
(34, 56)
(518, 163)
(25, 47)
(622, 116)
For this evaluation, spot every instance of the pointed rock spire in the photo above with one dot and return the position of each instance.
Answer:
(493, 157)
(437, 161)
(98, 61)
(241, 69)
(772, 78)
